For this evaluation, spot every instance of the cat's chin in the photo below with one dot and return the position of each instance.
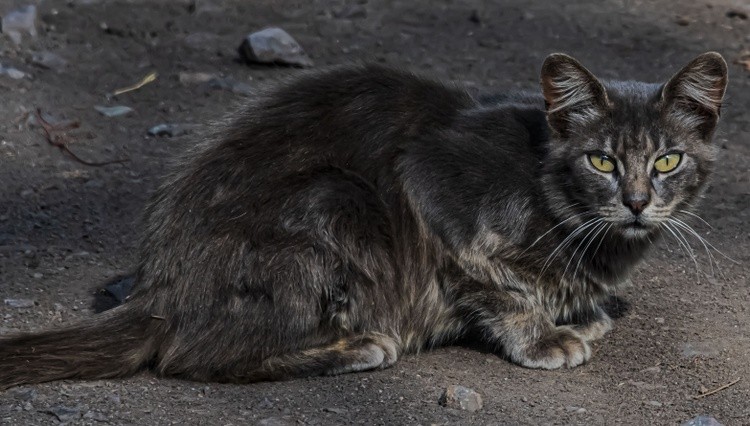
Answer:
(636, 231)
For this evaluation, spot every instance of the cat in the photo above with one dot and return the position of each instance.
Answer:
(358, 214)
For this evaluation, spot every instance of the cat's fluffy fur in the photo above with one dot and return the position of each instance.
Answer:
(361, 213)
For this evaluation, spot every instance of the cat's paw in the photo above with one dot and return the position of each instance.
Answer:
(563, 347)
(595, 329)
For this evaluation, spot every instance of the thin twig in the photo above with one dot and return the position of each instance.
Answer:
(719, 389)
(150, 77)
(159, 317)
(60, 141)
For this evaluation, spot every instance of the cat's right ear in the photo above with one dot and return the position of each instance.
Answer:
(572, 95)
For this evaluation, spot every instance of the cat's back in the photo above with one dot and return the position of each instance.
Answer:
(347, 116)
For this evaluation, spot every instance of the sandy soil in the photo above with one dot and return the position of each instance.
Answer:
(66, 228)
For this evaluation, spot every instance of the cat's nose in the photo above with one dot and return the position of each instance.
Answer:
(636, 202)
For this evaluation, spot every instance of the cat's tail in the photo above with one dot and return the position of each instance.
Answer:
(117, 343)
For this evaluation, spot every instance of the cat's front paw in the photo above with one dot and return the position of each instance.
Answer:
(596, 329)
(563, 347)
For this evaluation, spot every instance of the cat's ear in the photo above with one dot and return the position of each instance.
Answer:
(572, 95)
(693, 96)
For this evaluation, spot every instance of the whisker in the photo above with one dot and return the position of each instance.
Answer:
(701, 239)
(562, 245)
(552, 229)
(688, 212)
(685, 247)
(602, 226)
(692, 252)
(583, 240)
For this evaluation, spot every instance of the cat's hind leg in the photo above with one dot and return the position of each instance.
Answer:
(367, 351)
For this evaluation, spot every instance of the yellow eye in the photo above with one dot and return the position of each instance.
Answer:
(602, 163)
(667, 163)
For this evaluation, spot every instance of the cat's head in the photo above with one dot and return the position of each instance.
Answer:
(632, 154)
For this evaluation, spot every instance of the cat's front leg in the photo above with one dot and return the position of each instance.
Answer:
(517, 326)
(593, 326)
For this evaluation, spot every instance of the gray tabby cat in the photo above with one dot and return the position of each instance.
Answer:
(362, 213)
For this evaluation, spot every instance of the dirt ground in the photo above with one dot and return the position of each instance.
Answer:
(67, 228)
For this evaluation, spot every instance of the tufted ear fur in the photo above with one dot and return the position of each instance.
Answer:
(573, 96)
(693, 96)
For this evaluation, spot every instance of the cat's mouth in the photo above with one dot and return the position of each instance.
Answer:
(636, 228)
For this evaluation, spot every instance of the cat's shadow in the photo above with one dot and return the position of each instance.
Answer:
(616, 307)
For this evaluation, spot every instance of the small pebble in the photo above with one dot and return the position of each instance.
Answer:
(273, 46)
(49, 60)
(701, 349)
(195, 77)
(276, 421)
(63, 413)
(113, 111)
(19, 22)
(461, 398)
(170, 129)
(13, 73)
(24, 394)
(702, 421)
(19, 303)
(232, 85)
(96, 416)
(736, 13)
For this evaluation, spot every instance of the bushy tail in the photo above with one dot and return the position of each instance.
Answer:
(114, 344)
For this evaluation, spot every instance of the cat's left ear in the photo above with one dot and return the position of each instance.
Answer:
(693, 96)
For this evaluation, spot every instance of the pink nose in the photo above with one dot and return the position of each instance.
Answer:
(636, 203)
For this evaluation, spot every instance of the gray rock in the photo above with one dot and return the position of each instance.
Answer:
(702, 421)
(114, 111)
(20, 22)
(574, 409)
(63, 413)
(49, 60)
(273, 46)
(170, 129)
(461, 398)
(19, 303)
